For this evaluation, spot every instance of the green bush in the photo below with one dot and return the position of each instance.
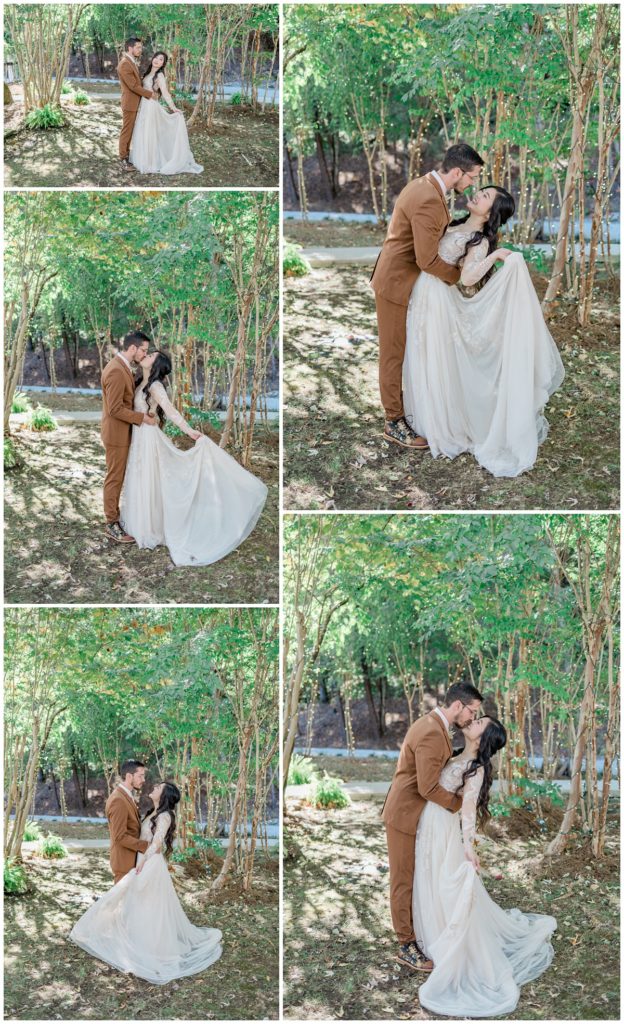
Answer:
(15, 880)
(237, 99)
(21, 402)
(11, 460)
(52, 847)
(80, 98)
(300, 771)
(44, 118)
(32, 832)
(41, 418)
(329, 794)
(295, 265)
(66, 88)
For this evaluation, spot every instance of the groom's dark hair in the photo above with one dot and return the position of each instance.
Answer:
(131, 41)
(129, 768)
(134, 338)
(465, 692)
(463, 156)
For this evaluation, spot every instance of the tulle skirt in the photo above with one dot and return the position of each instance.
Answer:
(199, 502)
(478, 371)
(160, 143)
(481, 953)
(140, 928)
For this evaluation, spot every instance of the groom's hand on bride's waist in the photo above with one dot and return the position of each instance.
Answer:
(150, 421)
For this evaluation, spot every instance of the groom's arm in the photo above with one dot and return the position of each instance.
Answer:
(128, 79)
(430, 758)
(427, 234)
(118, 825)
(114, 389)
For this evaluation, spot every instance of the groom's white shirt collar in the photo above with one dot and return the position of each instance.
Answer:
(438, 711)
(126, 790)
(124, 360)
(434, 174)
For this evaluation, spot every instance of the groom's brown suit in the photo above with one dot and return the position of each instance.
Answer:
(125, 829)
(426, 749)
(131, 92)
(419, 219)
(118, 416)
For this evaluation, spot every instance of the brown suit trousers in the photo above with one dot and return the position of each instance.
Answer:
(131, 92)
(419, 219)
(426, 749)
(118, 416)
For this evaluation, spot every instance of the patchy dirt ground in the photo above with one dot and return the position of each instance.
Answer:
(339, 946)
(333, 233)
(335, 457)
(241, 149)
(56, 550)
(47, 977)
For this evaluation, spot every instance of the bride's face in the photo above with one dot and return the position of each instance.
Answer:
(148, 361)
(158, 62)
(481, 202)
(155, 794)
(475, 729)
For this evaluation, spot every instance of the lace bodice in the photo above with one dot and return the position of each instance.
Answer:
(159, 397)
(477, 262)
(158, 83)
(157, 840)
(450, 779)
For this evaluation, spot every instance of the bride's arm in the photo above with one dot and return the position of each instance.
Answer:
(158, 391)
(161, 82)
(477, 262)
(470, 796)
(163, 822)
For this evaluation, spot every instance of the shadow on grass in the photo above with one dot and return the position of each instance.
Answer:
(335, 457)
(56, 550)
(47, 977)
(240, 149)
(339, 947)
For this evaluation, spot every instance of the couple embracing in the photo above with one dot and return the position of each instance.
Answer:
(200, 503)
(476, 954)
(153, 140)
(466, 361)
(139, 926)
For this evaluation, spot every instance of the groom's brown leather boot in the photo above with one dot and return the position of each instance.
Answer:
(400, 432)
(410, 955)
(116, 532)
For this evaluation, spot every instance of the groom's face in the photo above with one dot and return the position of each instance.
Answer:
(468, 713)
(138, 779)
(139, 353)
(136, 50)
(467, 179)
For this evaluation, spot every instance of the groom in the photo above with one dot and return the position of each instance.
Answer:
(419, 219)
(425, 751)
(118, 416)
(131, 92)
(124, 823)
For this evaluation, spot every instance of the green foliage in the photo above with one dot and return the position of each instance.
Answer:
(44, 118)
(42, 419)
(300, 771)
(80, 98)
(294, 264)
(21, 402)
(52, 847)
(237, 99)
(15, 879)
(32, 832)
(11, 460)
(66, 88)
(329, 794)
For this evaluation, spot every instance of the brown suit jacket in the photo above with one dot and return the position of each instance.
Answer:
(426, 749)
(419, 219)
(125, 828)
(117, 401)
(131, 86)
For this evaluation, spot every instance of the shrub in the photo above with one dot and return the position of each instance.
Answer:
(66, 88)
(300, 771)
(41, 418)
(237, 99)
(44, 118)
(295, 265)
(52, 847)
(15, 880)
(329, 794)
(80, 98)
(32, 832)
(11, 461)
(21, 402)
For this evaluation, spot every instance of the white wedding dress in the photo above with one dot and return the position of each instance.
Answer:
(139, 926)
(200, 503)
(478, 371)
(160, 143)
(481, 953)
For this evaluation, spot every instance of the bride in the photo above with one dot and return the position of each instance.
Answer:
(201, 503)
(139, 926)
(159, 143)
(481, 953)
(480, 364)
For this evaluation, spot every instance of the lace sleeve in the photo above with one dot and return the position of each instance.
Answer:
(477, 263)
(158, 391)
(470, 796)
(163, 822)
(161, 82)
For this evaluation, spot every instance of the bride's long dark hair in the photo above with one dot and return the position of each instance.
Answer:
(169, 798)
(159, 53)
(502, 209)
(493, 738)
(160, 370)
